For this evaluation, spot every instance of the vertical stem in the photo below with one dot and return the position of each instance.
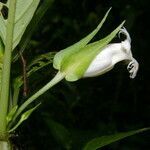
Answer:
(5, 145)
(4, 95)
(15, 96)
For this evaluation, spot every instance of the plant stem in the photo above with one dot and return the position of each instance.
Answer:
(15, 96)
(59, 76)
(4, 95)
(5, 145)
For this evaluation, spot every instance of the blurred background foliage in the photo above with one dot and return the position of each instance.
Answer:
(73, 113)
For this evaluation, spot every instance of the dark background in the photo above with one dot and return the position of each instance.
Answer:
(73, 113)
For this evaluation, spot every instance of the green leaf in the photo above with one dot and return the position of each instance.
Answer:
(35, 65)
(76, 64)
(105, 140)
(40, 62)
(24, 12)
(60, 133)
(24, 117)
(11, 113)
(32, 27)
(71, 50)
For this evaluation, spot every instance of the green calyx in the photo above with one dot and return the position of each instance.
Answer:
(74, 60)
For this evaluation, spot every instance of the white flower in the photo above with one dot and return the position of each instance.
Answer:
(112, 54)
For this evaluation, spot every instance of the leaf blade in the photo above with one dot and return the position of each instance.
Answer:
(23, 15)
(11, 113)
(105, 140)
(60, 133)
(63, 54)
(24, 117)
(32, 27)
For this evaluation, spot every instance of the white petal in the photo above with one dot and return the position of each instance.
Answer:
(112, 54)
(103, 62)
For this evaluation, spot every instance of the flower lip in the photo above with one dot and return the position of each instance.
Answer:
(133, 67)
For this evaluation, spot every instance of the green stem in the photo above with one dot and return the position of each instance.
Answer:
(5, 145)
(59, 76)
(15, 96)
(4, 95)
(10, 104)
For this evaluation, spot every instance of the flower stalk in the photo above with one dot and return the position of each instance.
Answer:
(50, 84)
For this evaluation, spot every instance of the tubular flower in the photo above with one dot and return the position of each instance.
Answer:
(85, 59)
(112, 54)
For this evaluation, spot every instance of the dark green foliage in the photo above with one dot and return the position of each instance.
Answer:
(73, 113)
(3, 1)
(4, 12)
